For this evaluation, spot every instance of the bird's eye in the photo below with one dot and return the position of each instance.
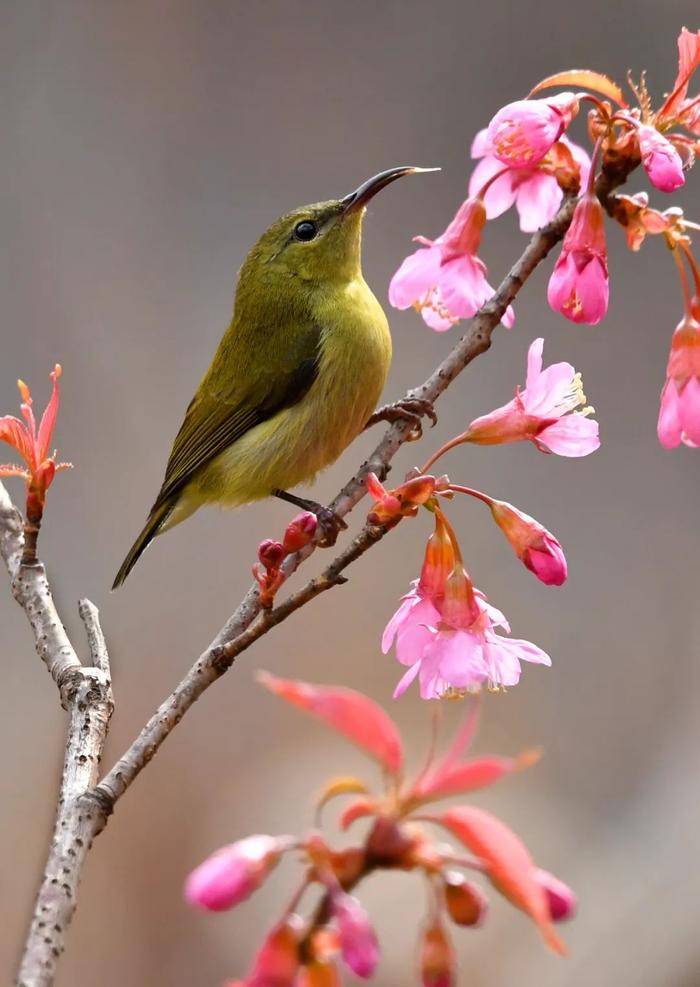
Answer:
(305, 231)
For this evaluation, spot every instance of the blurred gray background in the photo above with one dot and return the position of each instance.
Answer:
(144, 147)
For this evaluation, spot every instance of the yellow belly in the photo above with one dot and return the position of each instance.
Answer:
(294, 445)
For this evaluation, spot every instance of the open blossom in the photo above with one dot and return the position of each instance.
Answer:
(534, 190)
(578, 287)
(33, 445)
(661, 160)
(464, 651)
(445, 280)
(540, 413)
(233, 873)
(521, 133)
(679, 415)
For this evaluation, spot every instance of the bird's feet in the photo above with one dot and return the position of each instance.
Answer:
(409, 410)
(330, 524)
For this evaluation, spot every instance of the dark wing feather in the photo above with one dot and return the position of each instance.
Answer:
(215, 420)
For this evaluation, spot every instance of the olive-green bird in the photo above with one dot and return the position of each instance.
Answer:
(296, 377)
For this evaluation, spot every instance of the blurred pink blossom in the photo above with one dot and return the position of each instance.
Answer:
(358, 941)
(679, 415)
(230, 875)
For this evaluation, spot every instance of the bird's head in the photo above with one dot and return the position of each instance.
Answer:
(321, 242)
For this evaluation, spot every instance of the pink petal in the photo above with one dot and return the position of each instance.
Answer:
(415, 277)
(481, 145)
(537, 200)
(573, 435)
(501, 195)
(593, 289)
(407, 679)
(350, 713)
(479, 772)
(668, 428)
(689, 410)
(459, 657)
(534, 362)
(549, 390)
(580, 156)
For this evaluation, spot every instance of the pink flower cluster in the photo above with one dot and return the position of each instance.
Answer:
(526, 159)
(310, 952)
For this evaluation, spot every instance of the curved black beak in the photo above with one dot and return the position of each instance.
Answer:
(361, 196)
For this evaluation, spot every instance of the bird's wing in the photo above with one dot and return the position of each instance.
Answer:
(219, 415)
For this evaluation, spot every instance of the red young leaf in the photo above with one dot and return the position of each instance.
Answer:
(355, 716)
(596, 81)
(478, 772)
(356, 810)
(508, 863)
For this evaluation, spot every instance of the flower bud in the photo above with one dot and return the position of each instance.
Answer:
(271, 553)
(537, 548)
(578, 287)
(230, 875)
(560, 898)
(299, 532)
(437, 958)
(661, 160)
(358, 941)
(277, 962)
(466, 903)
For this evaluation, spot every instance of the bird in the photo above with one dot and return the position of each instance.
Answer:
(296, 376)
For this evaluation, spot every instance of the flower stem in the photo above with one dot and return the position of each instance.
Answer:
(470, 492)
(458, 440)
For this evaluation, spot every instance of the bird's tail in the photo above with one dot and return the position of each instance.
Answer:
(156, 519)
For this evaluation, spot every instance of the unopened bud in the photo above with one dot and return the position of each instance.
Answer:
(537, 548)
(467, 905)
(299, 532)
(271, 553)
(437, 959)
(231, 874)
(358, 941)
(561, 899)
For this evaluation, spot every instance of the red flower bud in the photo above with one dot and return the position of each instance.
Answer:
(299, 532)
(467, 905)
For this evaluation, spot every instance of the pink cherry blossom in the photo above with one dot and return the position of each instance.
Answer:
(578, 287)
(230, 875)
(534, 190)
(661, 160)
(540, 413)
(358, 942)
(445, 280)
(521, 133)
(464, 651)
(679, 415)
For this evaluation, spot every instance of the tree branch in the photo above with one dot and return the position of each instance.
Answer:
(86, 694)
